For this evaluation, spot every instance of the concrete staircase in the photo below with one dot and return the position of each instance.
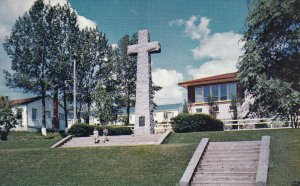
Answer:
(228, 163)
(126, 140)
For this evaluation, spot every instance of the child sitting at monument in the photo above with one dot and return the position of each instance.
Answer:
(96, 135)
(105, 134)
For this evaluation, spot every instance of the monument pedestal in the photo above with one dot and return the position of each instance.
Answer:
(142, 131)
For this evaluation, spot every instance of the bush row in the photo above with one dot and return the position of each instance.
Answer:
(195, 123)
(83, 130)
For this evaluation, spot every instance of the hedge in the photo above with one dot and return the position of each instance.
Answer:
(195, 123)
(83, 130)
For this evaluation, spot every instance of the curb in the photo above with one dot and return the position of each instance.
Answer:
(189, 171)
(166, 134)
(62, 141)
(263, 162)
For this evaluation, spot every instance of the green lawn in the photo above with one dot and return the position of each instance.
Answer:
(26, 159)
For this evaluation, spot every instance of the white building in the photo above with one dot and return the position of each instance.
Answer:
(29, 113)
(162, 113)
(221, 88)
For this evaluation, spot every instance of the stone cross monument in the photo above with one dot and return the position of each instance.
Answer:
(144, 122)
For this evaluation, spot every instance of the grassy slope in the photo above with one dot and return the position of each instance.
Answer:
(27, 160)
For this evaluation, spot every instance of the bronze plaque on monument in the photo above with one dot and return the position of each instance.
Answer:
(142, 121)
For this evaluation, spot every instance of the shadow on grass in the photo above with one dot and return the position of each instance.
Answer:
(296, 183)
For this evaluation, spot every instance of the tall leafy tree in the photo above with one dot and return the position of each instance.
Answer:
(27, 47)
(63, 31)
(127, 67)
(269, 68)
(92, 67)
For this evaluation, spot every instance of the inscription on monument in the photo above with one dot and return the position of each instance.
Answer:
(142, 121)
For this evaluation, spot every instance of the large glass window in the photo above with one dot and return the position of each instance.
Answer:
(219, 92)
(223, 91)
(199, 94)
(232, 89)
(206, 92)
(215, 92)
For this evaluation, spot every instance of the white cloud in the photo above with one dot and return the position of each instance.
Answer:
(219, 50)
(10, 10)
(193, 30)
(213, 67)
(224, 45)
(84, 22)
(168, 80)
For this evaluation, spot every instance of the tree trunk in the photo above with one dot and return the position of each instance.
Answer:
(128, 113)
(65, 107)
(78, 112)
(87, 118)
(55, 119)
(43, 108)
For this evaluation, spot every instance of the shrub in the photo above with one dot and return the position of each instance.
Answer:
(195, 123)
(83, 130)
(3, 135)
(116, 130)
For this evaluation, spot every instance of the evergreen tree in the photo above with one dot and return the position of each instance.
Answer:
(185, 109)
(269, 68)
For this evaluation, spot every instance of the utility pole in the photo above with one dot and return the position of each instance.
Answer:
(74, 92)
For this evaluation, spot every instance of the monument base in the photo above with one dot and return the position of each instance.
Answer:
(142, 131)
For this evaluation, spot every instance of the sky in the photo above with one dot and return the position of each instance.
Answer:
(198, 38)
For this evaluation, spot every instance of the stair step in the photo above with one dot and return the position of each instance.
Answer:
(224, 156)
(224, 183)
(229, 161)
(231, 152)
(225, 173)
(231, 167)
(241, 143)
(224, 178)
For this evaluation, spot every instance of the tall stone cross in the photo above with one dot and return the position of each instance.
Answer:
(144, 122)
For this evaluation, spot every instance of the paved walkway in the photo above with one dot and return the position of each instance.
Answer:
(126, 140)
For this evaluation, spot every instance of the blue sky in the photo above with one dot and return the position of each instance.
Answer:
(198, 37)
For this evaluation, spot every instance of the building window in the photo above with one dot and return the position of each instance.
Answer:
(215, 92)
(19, 113)
(219, 92)
(199, 94)
(48, 114)
(223, 92)
(61, 116)
(206, 92)
(34, 114)
(232, 89)
(199, 110)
